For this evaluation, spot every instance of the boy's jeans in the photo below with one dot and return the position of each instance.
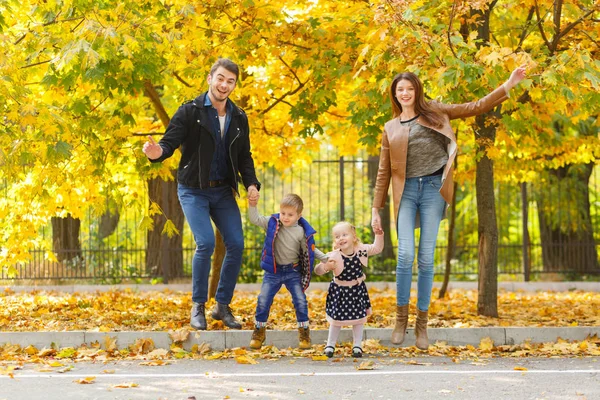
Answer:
(420, 194)
(199, 207)
(290, 277)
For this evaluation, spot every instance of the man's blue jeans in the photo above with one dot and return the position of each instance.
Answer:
(290, 277)
(421, 194)
(199, 207)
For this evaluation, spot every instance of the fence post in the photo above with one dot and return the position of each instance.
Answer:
(525, 216)
(342, 205)
(164, 239)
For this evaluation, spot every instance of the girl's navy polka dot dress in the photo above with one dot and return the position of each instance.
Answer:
(348, 304)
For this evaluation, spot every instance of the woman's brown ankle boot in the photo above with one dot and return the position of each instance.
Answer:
(401, 322)
(421, 330)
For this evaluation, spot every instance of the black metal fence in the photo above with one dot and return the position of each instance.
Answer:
(538, 234)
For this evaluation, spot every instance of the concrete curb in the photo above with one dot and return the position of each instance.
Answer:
(242, 287)
(220, 340)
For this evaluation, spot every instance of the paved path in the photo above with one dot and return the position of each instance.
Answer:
(425, 377)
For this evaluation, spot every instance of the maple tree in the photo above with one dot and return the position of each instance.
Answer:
(81, 76)
(462, 50)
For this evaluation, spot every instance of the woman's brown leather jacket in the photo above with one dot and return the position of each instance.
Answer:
(394, 145)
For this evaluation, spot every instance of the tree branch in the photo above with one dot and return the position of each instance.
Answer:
(34, 64)
(540, 27)
(152, 94)
(525, 32)
(573, 24)
(450, 28)
(180, 79)
(557, 14)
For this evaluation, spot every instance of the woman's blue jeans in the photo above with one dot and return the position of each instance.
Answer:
(421, 195)
(290, 277)
(199, 207)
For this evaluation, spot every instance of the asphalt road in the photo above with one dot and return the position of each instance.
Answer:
(302, 378)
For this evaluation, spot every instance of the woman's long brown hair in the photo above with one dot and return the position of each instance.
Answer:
(422, 107)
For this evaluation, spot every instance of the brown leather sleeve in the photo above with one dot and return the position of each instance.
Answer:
(475, 107)
(382, 183)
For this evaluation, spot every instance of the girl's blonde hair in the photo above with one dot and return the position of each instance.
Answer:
(352, 229)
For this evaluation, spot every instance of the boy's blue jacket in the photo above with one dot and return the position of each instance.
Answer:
(307, 258)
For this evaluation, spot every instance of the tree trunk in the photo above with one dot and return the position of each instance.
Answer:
(65, 238)
(109, 220)
(566, 228)
(386, 215)
(164, 255)
(485, 135)
(217, 262)
(487, 302)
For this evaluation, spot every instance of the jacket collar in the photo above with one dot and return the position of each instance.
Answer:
(200, 102)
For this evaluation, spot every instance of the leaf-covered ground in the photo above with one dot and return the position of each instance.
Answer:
(127, 310)
(159, 311)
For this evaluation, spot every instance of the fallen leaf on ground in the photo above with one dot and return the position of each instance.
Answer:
(367, 365)
(519, 368)
(245, 360)
(180, 335)
(126, 385)
(85, 381)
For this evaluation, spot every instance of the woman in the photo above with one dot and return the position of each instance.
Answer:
(418, 148)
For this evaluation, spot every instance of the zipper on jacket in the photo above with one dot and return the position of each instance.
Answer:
(308, 251)
(200, 159)
(235, 174)
(273, 246)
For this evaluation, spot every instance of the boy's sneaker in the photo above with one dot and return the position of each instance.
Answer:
(304, 338)
(258, 338)
(329, 350)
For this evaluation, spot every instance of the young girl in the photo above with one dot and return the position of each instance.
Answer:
(348, 300)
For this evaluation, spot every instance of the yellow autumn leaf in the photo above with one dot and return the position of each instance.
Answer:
(85, 381)
(56, 364)
(245, 360)
(110, 343)
(486, 344)
(126, 385)
(320, 358)
(366, 365)
(180, 335)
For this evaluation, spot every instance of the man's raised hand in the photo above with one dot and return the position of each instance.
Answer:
(151, 149)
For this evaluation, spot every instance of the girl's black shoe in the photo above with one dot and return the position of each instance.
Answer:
(357, 352)
(329, 350)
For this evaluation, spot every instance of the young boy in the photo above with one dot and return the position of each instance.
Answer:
(287, 259)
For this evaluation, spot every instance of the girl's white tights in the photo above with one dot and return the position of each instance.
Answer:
(334, 332)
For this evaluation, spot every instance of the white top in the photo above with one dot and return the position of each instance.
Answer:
(222, 123)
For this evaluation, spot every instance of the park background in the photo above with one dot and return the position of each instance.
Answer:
(85, 82)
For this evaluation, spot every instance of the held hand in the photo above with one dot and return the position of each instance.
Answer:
(376, 222)
(516, 76)
(253, 195)
(330, 265)
(151, 149)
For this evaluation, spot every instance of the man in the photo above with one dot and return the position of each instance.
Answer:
(215, 151)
